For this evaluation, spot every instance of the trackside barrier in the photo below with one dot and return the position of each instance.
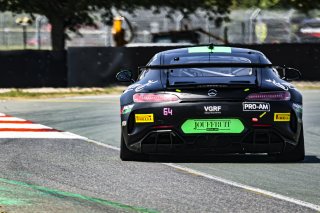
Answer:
(97, 66)
(33, 68)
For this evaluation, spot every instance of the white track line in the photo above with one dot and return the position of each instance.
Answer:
(250, 188)
(23, 126)
(229, 182)
(40, 135)
(11, 119)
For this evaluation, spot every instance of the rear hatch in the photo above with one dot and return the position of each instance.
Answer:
(218, 82)
(212, 88)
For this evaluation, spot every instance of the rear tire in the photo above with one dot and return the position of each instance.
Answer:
(297, 154)
(128, 155)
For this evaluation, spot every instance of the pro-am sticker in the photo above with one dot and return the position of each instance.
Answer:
(256, 106)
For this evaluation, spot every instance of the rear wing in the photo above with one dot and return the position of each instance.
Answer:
(192, 65)
(221, 82)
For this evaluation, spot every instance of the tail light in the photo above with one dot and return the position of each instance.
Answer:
(154, 97)
(270, 96)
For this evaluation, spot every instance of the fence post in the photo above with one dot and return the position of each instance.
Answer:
(252, 17)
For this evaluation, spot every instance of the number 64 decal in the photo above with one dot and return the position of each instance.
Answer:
(167, 111)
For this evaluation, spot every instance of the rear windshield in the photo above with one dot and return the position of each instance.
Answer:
(210, 71)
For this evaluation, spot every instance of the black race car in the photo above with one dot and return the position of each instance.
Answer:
(211, 100)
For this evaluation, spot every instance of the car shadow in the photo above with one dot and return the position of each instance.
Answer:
(227, 159)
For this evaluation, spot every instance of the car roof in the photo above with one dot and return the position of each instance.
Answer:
(253, 55)
(221, 49)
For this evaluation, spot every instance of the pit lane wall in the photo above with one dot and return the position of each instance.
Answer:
(97, 66)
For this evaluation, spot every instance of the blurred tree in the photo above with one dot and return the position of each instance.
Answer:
(254, 3)
(302, 5)
(71, 14)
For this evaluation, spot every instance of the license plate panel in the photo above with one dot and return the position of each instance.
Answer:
(205, 126)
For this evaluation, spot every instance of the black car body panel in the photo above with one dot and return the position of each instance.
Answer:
(212, 114)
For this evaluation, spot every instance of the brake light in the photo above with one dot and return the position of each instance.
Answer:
(154, 97)
(270, 96)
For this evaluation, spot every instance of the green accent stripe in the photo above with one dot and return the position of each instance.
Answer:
(62, 194)
(205, 49)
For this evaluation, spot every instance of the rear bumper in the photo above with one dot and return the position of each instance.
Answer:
(165, 135)
(253, 141)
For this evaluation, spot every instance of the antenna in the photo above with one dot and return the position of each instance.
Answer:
(211, 47)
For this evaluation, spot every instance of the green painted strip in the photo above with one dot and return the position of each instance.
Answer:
(62, 194)
(11, 201)
(212, 126)
(8, 197)
(205, 49)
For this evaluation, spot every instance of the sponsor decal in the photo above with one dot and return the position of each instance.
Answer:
(277, 84)
(127, 109)
(144, 118)
(297, 107)
(212, 126)
(212, 109)
(167, 111)
(281, 117)
(284, 85)
(124, 123)
(212, 92)
(256, 106)
(139, 87)
(290, 86)
(142, 86)
(131, 87)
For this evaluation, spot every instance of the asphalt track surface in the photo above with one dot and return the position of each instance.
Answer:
(87, 169)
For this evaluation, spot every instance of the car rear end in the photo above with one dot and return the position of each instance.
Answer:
(194, 122)
(202, 109)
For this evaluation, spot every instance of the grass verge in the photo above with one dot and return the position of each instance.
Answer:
(41, 93)
(56, 92)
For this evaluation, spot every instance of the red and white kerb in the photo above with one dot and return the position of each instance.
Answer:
(12, 127)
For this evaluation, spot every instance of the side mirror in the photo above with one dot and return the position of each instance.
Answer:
(124, 76)
(288, 73)
(291, 74)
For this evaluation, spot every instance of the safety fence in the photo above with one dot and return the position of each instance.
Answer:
(250, 26)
